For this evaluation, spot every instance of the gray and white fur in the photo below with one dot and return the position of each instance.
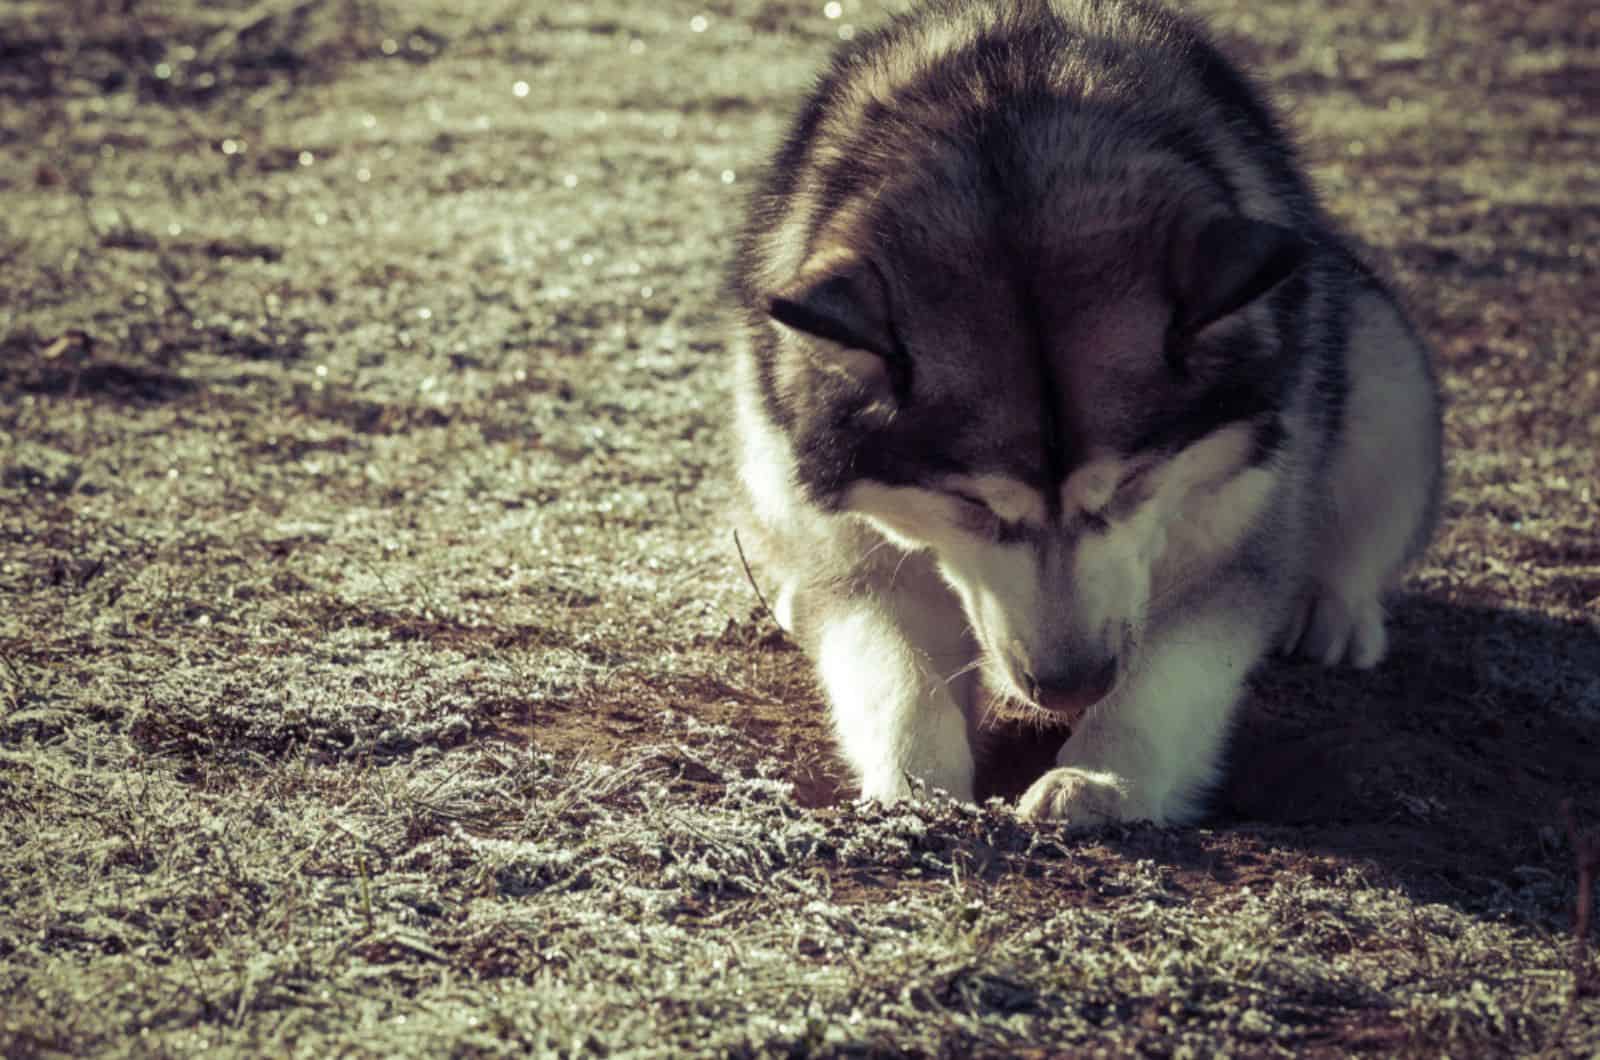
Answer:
(1056, 384)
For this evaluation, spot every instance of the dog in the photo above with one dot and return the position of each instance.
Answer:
(1055, 383)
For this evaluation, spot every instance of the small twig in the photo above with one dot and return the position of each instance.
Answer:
(366, 893)
(200, 986)
(170, 274)
(751, 578)
(16, 686)
(1586, 848)
(249, 20)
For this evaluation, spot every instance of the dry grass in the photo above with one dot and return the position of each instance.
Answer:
(376, 677)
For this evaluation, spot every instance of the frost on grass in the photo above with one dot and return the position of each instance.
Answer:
(506, 899)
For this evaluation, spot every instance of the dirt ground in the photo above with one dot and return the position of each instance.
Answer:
(378, 675)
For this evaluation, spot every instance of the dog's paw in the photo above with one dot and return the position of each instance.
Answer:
(1079, 798)
(888, 789)
(1332, 630)
(885, 790)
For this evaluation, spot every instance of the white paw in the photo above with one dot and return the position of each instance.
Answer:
(1331, 631)
(1079, 798)
(889, 789)
(885, 790)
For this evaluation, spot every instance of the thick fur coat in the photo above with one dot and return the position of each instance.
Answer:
(1055, 383)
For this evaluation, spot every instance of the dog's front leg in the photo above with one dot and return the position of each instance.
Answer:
(895, 665)
(1151, 751)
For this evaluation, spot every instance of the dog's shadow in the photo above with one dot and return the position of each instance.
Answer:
(1444, 767)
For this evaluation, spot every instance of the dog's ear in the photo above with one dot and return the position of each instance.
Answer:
(1227, 262)
(842, 299)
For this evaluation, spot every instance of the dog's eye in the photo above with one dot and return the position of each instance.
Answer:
(970, 504)
(974, 514)
(1098, 521)
(1130, 478)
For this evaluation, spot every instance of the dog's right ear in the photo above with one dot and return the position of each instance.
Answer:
(843, 300)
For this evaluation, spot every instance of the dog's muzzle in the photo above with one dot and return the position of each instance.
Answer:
(1070, 694)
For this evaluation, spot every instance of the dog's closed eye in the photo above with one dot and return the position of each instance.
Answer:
(1122, 498)
(970, 503)
(1132, 475)
(966, 498)
(974, 514)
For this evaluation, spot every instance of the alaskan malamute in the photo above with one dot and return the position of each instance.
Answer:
(1057, 384)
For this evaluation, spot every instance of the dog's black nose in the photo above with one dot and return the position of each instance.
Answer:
(1071, 693)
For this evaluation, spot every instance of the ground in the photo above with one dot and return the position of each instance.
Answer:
(378, 675)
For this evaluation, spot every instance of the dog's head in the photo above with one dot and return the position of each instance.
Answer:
(1065, 416)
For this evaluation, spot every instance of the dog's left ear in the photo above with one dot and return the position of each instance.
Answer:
(1226, 264)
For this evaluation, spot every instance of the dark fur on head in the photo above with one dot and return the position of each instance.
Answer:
(1037, 214)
